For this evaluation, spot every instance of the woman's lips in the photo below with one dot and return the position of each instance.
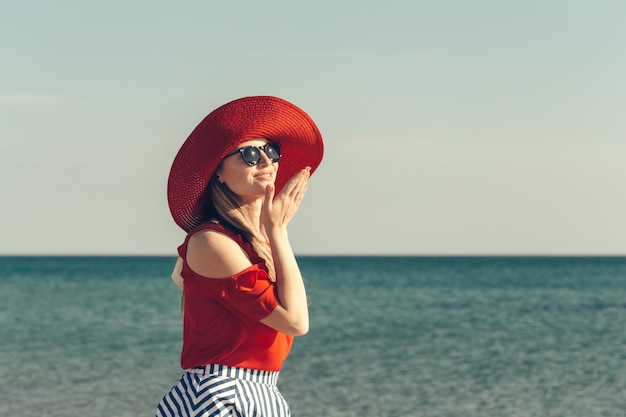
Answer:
(265, 175)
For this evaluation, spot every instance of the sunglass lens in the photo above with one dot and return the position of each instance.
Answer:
(272, 150)
(251, 155)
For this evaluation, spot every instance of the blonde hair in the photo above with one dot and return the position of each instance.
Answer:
(225, 207)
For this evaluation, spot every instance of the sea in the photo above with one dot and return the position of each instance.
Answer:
(390, 336)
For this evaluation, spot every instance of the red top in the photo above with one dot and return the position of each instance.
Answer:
(222, 316)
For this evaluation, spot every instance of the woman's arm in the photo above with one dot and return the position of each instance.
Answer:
(176, 276)
(291, 316)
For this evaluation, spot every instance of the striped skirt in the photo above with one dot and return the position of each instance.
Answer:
(220, 391)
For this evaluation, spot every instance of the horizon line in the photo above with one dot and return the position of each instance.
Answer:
(344, 255)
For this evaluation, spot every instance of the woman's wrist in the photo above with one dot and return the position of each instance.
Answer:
(276, 232)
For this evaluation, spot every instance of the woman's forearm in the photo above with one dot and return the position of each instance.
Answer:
(289, 283)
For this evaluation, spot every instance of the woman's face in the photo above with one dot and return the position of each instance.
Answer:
(248, 182)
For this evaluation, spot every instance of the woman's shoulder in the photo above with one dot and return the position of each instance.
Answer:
(215, 239)
(214, 253)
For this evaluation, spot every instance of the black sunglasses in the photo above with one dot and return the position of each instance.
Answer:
(251, 155)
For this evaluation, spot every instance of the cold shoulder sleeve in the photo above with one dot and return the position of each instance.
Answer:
(250, 294)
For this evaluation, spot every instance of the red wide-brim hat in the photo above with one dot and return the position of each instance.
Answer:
(221, 132)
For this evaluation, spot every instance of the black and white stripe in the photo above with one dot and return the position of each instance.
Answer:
(220, 391)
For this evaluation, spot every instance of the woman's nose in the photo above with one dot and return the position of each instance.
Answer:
(265, 160)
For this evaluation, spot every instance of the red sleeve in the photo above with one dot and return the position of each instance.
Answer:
(249, 295)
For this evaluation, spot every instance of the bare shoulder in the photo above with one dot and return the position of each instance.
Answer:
(213, 254)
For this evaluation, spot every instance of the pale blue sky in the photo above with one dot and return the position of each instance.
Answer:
(451, 127)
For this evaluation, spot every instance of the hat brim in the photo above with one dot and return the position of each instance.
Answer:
(221, 132)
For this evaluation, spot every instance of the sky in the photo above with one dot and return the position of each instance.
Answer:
(451, 127)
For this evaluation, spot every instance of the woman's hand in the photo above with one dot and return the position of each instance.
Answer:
(291, 316)
(277, 212)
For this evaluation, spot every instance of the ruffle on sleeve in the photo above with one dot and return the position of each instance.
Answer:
(249, 295)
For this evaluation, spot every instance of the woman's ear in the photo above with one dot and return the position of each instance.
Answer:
(217, 175)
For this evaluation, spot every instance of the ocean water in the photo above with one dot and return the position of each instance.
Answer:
(390, 337)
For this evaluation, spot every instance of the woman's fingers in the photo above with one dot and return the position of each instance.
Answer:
(280, 210)
(296, 182)
(296, 187)
(269, 196)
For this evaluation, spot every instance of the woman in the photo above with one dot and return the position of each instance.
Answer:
(243, 295)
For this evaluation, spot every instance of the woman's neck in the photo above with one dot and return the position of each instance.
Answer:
(252, 211)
